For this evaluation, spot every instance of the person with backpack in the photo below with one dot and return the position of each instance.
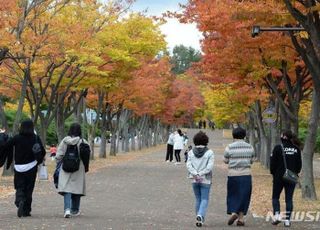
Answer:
(27, 152)
(71, 183)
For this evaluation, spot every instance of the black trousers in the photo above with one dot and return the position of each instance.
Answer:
(169, 155)
(24, 185)
(177, 155)
(278, 185)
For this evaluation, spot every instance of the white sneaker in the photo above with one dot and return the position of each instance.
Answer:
(67, 213)
(287, 223)
(167, 161)
(76, 214)
(276, 219)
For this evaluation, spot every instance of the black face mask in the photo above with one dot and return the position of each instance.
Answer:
(284, 139)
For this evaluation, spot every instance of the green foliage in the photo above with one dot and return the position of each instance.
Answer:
(52, 137)
(11, 114)
(183, 57)
(303, 131)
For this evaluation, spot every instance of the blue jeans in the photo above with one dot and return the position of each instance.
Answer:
(72, 202)
(201, 192)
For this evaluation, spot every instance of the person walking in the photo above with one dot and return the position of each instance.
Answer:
(53, 151)
(239, 157)
(71, 185)
(200, 164)
(27, 151)
(178, 145)
(170, 142)
(286, 155)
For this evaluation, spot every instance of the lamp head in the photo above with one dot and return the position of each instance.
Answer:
(255, 31)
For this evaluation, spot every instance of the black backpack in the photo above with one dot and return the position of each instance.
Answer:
(71, 159)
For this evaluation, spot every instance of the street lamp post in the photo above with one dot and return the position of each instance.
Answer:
(256, 30)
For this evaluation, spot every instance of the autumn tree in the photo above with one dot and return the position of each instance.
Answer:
(263, 63)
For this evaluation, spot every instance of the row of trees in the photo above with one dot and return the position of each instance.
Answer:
(246, 75)
(60, 58)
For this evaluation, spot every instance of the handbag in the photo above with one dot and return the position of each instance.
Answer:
(288, 176)
(43, 172)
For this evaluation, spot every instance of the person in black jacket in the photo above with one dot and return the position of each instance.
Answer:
(21, 148)
(292, 155)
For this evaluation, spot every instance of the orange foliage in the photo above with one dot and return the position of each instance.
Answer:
(231, 55)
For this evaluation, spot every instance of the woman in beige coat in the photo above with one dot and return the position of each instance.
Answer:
(71, 185)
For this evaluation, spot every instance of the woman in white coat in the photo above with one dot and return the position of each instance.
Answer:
(178, 145)
(71, 185)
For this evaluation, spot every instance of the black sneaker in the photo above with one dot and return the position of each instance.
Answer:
(26, 214)
(20, 209)
(199, 222)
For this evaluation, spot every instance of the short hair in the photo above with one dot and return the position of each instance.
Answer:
(75, 130)
(239, 133)
(180, 132)
(201, 138)
(26, 127)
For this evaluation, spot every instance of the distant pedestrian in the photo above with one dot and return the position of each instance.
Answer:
(26, 151)
(200, 165)
(53, 151)
(72, 185)
(186, 153)
(211, 125)
(170, 142)
(178, 145)
(185, 139)
(204, 124)
(200, 124)
(286, 155)
(239, 157)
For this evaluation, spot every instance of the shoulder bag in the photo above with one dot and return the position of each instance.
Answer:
(288, 176)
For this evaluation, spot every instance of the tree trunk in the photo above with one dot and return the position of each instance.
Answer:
(91, 136)
(307, 182)
(60, 123)
(113, 145)
(18, 116)
(103, 144)
(251, 131)
(264, 156)
(43, 131)
(4, 122)
(126, 137)
(133, 134)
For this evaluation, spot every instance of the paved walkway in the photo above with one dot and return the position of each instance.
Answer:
(146, 193)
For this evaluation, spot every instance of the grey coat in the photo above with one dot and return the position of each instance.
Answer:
(75, 182)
